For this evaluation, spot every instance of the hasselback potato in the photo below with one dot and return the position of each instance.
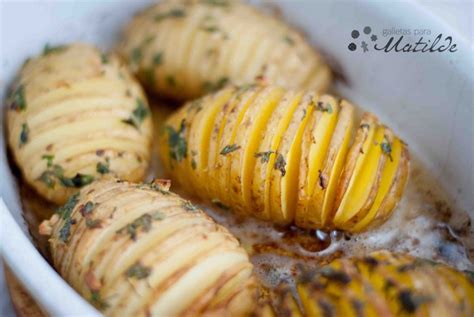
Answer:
(185, 48)
(140, 250)
(74, 115)
(286, 156)
(381, 284)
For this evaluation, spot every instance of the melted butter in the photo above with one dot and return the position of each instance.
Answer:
(423, 224)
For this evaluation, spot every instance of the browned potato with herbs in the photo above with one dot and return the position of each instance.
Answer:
(185, 48)
(140, 250)
(381, 284)
(286, 156)
(74, 115)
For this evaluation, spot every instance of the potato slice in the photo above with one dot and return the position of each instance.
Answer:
(247, 139)
(326, 114)
(135, 249)
(266, 154)
(284, 176)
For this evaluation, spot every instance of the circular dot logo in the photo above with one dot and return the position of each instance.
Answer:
(367, 30)
(352, 47)
(355, 34)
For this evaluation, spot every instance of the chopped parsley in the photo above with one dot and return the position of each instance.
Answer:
(93, 223)
(24, 134)
(87, 208)
(65, 230)
(189, 206)
(220, 204)
(173, 14)
(143, 222)
(386, 149)
(138, 115)
(136, 55)
(280, 164)
(49, 159)
(289, 40)
(104, 58)
(264, 156)
(217, 3)
(171, 81)
(138, 271)
(158, 59)
(320, 107)
(214, 86)
(53, 49)
(177, 143)
(229, 149)
(17, 99)
(97, 301)
(65, 213)
(103, 167)
(79, 180)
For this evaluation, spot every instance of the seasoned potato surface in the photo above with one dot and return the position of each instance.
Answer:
(381, 284)
(74, 115)
(286, 156)
(185, 48)
(140, 250)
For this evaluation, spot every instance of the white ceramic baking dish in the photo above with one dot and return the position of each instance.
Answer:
(426, 97)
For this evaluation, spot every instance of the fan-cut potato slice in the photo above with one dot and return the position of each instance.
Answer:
(184, 49)
(74, 115)
(285, 174)
(386, 180)
(242, 150)
(267, 152)
(140, 250)
(326, 113)
(362, 177)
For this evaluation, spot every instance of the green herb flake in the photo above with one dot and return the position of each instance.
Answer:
(220, 204)
(386, 149)
(217, 3)
(171, 81)
(138, 271)
(78, 181)
(138, 115)
(97, 300)
(24, 134)
(289, 40)
(320, 107)
(144, 222)
(158, 216)
(65, 211)
(173, 14)
(217, 85)
(103, 167)
(65, 230)
(17, 100)
(229, 149)
(47, 177)
(87, 208)
(53, 49)
(136, 55)
(189, 206)
(104, 58)
(280, 164)
(93, 223)
(177, 143)
(158, 59)
(264, 156)
(49, 159)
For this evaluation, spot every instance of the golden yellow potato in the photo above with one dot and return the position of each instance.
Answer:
(286, 156)
(183, 49)
(140, 250)
(74, 115)
(381, 284)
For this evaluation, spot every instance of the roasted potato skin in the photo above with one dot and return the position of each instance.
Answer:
(141, 250)
(380, 284)
(183, 49)
(74, 115)
(287, 157)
